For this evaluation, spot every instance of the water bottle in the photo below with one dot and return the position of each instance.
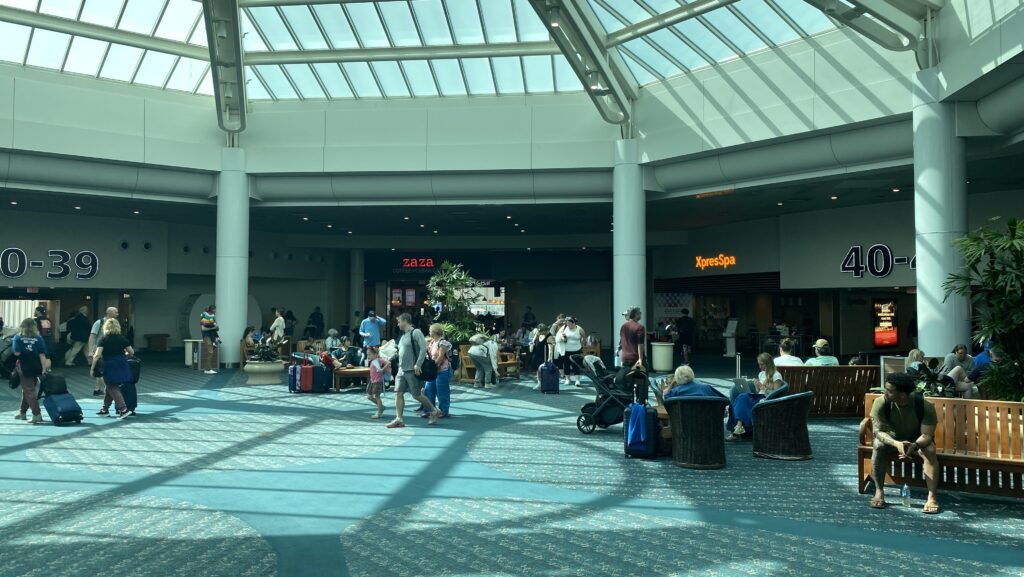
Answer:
(905, 495)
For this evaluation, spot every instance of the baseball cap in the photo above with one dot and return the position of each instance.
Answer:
(820, 344)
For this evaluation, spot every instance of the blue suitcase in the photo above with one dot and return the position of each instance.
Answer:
(549, 378)
(293, 378)
(648, 449)
(323, 379)
(62, 409)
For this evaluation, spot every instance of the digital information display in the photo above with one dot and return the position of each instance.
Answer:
(886, 327)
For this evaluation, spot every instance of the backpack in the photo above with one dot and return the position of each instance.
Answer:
(453, 359)
(918, 407)
(30, 364)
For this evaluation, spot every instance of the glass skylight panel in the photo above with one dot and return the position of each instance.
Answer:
(362, 80)
(499, 23)
(120, 62)
(628, 9)
(539, 74)
(277, 82)
(251, 40)
(391, 79)
(703, 38)
(199, 35)
(85, 56)
(304, 26)
(367, 24)
(61, 8)
(29, 5)
(642, 75)
(421, 81)
(304, 80)
(607, 19)
(465, 21)
(508, 72)
(187, 74)
(433, 23)
(47, 49)
(274, 31)
(102, 12)
(400, 25)
(336, 26)
(14, 43)
(154, 68)
(449, 77)
(565, 79)
(332, 79)
(531, 29)
(810, 20)
(478, 75)
(206, 86)
(178, 20)
(767, 21)
(652, 57)
(254, 89)
(735, 30)
(140, 16)
(676, 48)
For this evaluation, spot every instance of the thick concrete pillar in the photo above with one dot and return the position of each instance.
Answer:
(356, 284)
(232, 280)
(629, 236)
(940, 216)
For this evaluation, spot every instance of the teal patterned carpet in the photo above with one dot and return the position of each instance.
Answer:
(215, 478)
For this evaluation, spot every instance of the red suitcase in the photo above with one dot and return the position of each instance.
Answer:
(306, 378)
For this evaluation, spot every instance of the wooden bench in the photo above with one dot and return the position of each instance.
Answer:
(508, 365)
(838, 391)
(343, 375)
(978, 442)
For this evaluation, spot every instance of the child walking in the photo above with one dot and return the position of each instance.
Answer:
(380, 374)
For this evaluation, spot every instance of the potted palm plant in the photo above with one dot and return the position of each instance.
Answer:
(455, 290)
(264, 366)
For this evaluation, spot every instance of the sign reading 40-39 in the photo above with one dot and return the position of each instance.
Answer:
(14, 263)
(878, 261)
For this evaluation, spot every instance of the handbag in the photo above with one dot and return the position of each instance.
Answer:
(428, 370)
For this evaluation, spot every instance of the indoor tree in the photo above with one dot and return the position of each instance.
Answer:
(455, 289)
(993, 278)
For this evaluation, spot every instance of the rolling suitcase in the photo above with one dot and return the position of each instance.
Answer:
(62, 409)
(293, 378)
(306, 379)
(647, 447)
(549, 377)
(136, 367)
(323, 379)
(131, 396)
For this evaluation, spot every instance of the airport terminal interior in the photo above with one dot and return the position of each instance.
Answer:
(518, 288)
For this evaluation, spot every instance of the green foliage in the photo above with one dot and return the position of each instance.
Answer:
(993, 278)
(265, 351)
(456, 290)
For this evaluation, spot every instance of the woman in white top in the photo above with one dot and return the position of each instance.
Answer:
(741, 416)
(277, 327)
(569, 342)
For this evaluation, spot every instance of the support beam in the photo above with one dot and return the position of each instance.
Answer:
(664, 20)
(232, 267)
(629, 236)
(224, 40)
(102, 33)
(868, 27)
(265, 3)
(402, 53)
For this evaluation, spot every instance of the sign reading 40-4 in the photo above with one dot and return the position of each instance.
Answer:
(878, 261)
(14, 263)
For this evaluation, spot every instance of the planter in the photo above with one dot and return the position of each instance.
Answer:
(263, 372)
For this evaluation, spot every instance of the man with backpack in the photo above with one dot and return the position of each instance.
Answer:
(904, 427)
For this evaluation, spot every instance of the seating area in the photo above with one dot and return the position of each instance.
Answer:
(979, 444)
(838, 391)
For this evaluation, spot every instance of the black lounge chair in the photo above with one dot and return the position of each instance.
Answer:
(698, 438)
(780, 427)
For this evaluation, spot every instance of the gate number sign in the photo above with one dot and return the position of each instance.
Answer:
(14, 263)
(878, 261)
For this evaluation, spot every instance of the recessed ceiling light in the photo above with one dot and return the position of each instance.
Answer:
(509, 217)
(835, 198)
(392, 250)
(523, 230)
(14, 203)
(405, 218)
(78, 208)
(305, 218)
(780, 204)
(435, 232)
(895, 189)
(584, 248)
(350, 232)
(135, 212)
(330, 226)
(423, 226)
(528, 248)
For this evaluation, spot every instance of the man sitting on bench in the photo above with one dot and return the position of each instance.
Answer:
(904, 426)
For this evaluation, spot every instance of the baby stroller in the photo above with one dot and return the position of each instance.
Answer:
(612, 396)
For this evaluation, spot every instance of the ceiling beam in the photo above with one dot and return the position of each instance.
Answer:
(868, 27)
(664, 20)
(266, 3)
(402, 53)
(224, 39)
(102, 33)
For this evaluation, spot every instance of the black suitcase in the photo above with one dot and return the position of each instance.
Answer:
(62, 409)
(52, 384)
(131, 396)
(549, 378)
(136, 367)
(323, 379)
(649, 449)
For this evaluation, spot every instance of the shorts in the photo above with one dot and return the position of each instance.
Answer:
(374, 389)
(409, 382)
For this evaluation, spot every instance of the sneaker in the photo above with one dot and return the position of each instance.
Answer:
(433, 417)
(396, 424)
(476, 386)
(732, 438)
(104, 412)
(739, 430)
(19, 416)
(378, 415)
(444, 415)
(36, 419)
(123, 414)
(97, 393)
(210, 372)
(424, 415)
(131, 413)
(490, 386)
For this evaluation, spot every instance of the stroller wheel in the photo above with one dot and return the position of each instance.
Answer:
(586, 425)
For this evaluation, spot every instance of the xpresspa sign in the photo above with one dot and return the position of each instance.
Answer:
(722, 261)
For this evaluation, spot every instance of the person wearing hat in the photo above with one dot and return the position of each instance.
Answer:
(822, 355)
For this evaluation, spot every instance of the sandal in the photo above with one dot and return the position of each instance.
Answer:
(878, 503)
(930, 508)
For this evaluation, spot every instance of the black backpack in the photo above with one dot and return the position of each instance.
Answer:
(30, 364)
(918, 407)
(52, 384)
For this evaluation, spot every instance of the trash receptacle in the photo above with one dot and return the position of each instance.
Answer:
(661, 357)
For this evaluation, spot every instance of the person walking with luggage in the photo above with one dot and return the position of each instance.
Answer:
(30, 349)
(114, 350)
(380, 371)
(95, 334)
(439, 390)
(412, 351)
(78, 335)
(570, 342)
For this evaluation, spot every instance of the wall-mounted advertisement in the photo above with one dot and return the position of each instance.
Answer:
(885, 325)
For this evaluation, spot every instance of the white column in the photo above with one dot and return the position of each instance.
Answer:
(356, 284)
(629, 239)
(232, 252)
(940, 216)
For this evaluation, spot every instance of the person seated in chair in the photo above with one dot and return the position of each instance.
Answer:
(741, 413)
(903, 423)
(683, 383)
(786, 358)
(958, 357)
(822, 355)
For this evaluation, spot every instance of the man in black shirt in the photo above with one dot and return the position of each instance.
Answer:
(78, 335)
(686, 328)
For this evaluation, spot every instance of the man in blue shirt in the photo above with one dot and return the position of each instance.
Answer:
(370, 329)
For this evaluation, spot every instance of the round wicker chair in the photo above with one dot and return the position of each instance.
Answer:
(698, 437)
(780, 428)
